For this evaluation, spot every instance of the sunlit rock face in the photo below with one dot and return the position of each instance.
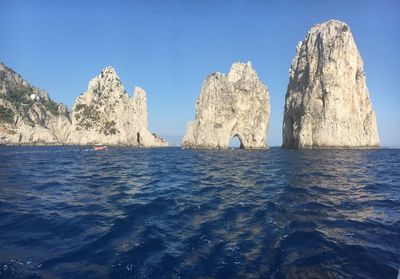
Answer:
(106, 114)
(27, 114)
(327, 101)
(236, 104)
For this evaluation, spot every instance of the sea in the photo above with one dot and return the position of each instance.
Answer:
(70, 212)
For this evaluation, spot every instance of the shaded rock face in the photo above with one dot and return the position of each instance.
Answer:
(106, 114)
(27, 114)
(327, 101)
(236, 104)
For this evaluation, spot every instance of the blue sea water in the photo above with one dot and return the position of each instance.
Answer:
(67, 212)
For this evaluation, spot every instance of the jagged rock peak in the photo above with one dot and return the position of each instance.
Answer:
(240, 70)
(236, 104)
(330, 26)
(327, 101)
(109, 75)
(107, 82)
(108, 70)
(139, 92)
(106, 113)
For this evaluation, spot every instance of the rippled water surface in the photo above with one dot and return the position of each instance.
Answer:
(67, 212)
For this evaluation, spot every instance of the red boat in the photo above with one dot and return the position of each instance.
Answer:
(99, 147)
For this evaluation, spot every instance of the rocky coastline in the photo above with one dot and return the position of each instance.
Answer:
(327, 105)
(105, 114)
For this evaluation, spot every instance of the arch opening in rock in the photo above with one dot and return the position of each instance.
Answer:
(236, 142)
(230, 104)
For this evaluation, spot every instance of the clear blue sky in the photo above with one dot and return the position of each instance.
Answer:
(169, 47)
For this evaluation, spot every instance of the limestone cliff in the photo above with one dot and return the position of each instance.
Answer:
(230, 105)
(27, 114)
(106, 114)
(327, 101)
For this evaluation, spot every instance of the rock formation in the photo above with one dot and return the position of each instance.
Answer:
(27, 114)
(327, 102)
(230, 105)
(106, 114)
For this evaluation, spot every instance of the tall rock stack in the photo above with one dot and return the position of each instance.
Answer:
(106, 114)
(230, 105)
(327, 101)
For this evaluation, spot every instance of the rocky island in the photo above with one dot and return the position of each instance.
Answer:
(327, 101)
(236, 104)
(104, 114)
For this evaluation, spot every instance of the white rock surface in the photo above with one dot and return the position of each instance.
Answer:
(106, 114)
(230, 105)
(327, 102)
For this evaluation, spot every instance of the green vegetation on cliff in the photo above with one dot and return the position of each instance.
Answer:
(6, 115)
(109, 128)
(86, 115)
(21, 98)
(51, 106)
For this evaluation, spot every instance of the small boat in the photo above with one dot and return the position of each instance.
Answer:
(99, 147)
